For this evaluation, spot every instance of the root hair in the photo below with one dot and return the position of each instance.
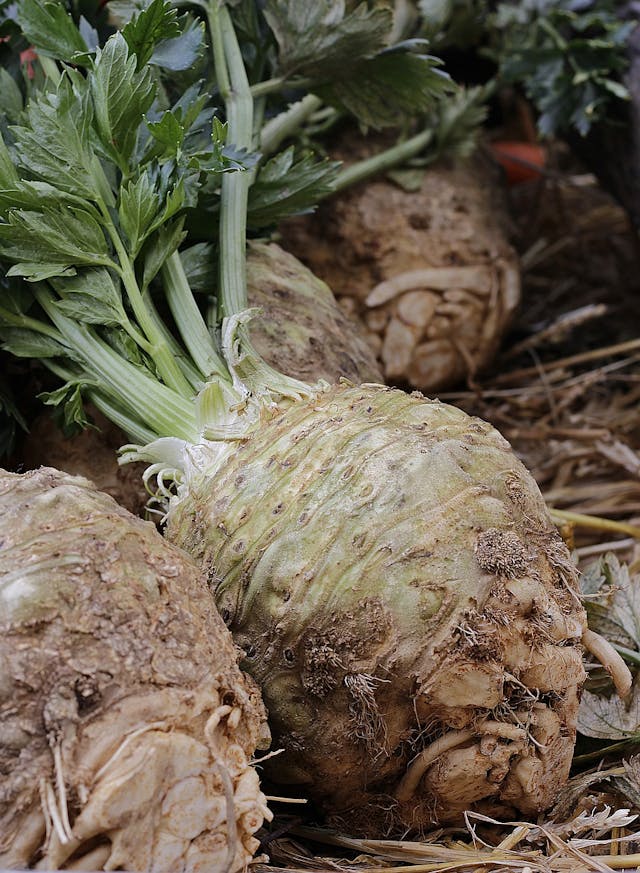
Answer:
(62, 793)
(370, 727)
(232, 825)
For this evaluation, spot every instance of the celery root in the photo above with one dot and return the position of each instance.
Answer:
(126, 727)
(428, 272)
(301, 329)
(386, 563)
(392, 573)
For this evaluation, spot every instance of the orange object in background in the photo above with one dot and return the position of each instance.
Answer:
(27, 57)
(521, 161)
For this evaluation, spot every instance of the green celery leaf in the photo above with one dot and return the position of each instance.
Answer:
(126, 348)
(91, 297)
(157, 22)
(49, 27)
(89, 34)
(121, 96)
(8, 173)
(194, 113)
(36, 195)
(457, 122)
(385, 90)
(54, 146)
(568, 56)
(169, 131)
(68, 404)
(24, 343)
(159, 247)
(15, 296)
(53, 236)
(173, 204)
(11, 103)
(285, 186)
(137, 210)
(40, 272)
(184, 51)
(200, 267)
(320, 38)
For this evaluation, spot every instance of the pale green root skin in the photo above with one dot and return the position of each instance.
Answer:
(123, 713)
(392, 574)
(301, 329)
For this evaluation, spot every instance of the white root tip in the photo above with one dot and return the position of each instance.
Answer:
(603, 651)
(418, 767)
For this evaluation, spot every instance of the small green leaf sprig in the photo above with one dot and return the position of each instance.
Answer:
(93, 194)
(569, 56)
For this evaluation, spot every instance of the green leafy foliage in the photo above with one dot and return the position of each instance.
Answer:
(117, 143)
(157, 35)
(321, 38)
(94, 181)
(569, 56)
(200, 267)
(47, 24)
(68, 406)
(92, 297)
(455, 124)
(121, 96)
(160, 247)
(159, 21)
(182, 52)
(457, 121)
(389, 88)
(169, 131)
(11, 103)
(25, 343)
(52, 236)
(138, 209)
(287, 185)
(53, 145)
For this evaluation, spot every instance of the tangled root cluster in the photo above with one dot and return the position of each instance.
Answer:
(126, 727)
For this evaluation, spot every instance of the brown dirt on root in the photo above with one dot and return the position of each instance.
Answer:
(434, 329)
(118, 690)
(91, 453)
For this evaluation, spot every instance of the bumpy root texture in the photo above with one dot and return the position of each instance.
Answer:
(126, 726)
(403, 599)
(429, 272)
(301, 330)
